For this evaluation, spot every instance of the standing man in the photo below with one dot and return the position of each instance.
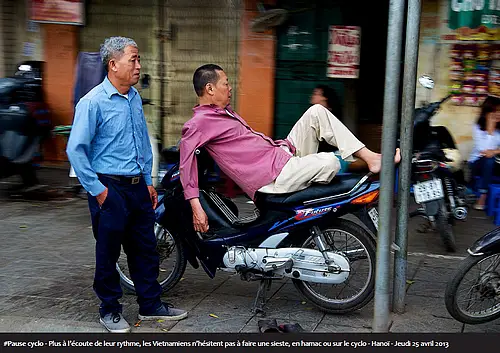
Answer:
(110, 151)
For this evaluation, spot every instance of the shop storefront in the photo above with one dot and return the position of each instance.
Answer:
(460, 48)
(277, 68)
(335, 44)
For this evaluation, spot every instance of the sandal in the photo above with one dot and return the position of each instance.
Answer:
(267, 326)
(291, 328)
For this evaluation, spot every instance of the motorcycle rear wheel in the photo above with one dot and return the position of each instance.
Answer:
(445, 229)
(172, 261)
(484, 271)
(361, 247)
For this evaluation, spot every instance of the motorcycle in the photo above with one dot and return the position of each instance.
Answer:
(24, 122)
(472, 296)
(300, 235)
(441, 197)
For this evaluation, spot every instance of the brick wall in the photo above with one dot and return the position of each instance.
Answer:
(256, 83)
(9, 32)
(2, 47)
(14, 34)
(127, 18)
(61, 48)
(203, 32)
(198, 31)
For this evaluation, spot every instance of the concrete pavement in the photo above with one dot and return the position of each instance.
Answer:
(47, 264)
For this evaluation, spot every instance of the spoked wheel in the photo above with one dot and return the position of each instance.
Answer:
(442, 225)
(473, 295)
(172, 261)
(445, 229)
(358, 247)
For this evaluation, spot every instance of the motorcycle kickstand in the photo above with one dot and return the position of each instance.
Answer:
(260, 299)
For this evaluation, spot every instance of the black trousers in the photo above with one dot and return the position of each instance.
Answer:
(126, 218)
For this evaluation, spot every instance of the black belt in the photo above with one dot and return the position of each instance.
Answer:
(124, 179)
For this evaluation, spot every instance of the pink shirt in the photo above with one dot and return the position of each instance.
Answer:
(249, 158)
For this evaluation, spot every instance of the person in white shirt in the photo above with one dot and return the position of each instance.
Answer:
(486, 136)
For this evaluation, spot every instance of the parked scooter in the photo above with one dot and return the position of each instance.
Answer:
(473, 294)
(24, 122)
(441, 198)
(300, 235)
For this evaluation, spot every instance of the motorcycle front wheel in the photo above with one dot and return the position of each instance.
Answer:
(473, 295)
(172, 261)
(355, 243)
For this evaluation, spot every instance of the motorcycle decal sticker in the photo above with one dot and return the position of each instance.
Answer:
(312, 212)
(278, 224)
(175, 176)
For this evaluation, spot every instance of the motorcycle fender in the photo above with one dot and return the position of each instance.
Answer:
(364, 217)
(192, 259)
(431, 208)
(190, 252)
(188, 247)
(488, 243)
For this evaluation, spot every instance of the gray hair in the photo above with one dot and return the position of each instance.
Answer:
(114, 47)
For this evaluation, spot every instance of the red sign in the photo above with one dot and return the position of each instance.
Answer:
(343, 51)
(58, 11)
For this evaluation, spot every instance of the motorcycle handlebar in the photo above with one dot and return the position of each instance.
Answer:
(432, 107)
(445, 99)
(425, 113)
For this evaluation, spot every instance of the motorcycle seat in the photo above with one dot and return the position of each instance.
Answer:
(342, 183)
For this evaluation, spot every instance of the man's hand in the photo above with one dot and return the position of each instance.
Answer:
(102, 197)
(488, 153)
(200, 219)
(153, 195)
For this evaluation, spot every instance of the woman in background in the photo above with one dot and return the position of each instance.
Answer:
(486, 136)
(327, 97)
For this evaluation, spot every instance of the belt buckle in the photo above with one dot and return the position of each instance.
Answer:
(135, 180)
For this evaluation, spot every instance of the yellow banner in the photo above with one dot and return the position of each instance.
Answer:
(481, 33)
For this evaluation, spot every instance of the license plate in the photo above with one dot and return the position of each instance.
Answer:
(373, 213)
(428, 191)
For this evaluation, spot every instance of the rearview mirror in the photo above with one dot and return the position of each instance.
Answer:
(426, 81)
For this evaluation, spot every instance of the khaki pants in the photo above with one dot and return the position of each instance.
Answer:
(308, 166)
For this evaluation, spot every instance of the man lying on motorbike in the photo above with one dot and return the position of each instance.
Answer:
(254, 161)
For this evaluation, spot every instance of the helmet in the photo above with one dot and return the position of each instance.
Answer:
(455, 159)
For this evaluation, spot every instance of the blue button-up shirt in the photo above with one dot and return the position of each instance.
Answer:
(109, 136)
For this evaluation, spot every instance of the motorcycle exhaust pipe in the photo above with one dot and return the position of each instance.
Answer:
(460, 213)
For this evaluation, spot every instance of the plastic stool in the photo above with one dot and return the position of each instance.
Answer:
(493, 206)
